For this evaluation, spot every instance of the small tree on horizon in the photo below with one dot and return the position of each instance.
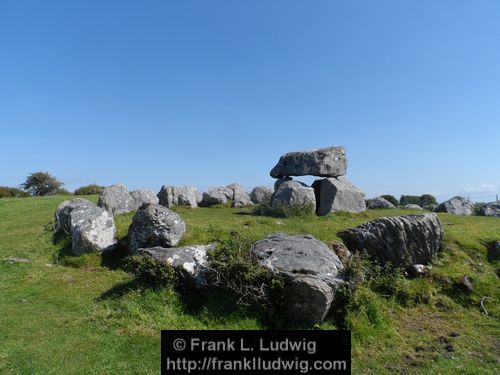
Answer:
(41, 183)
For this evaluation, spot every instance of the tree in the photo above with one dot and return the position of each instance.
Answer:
(409, 199)
(427, 200)
(41, 183)
(391, 199)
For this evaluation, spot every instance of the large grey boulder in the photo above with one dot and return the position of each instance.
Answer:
(144, 196)
(279, 181)
(311, 271)
(219, 195)
(178, 196)
(261, 194)
(457, 206)
(191, 262)
(379, 202)
(240, 197)
(116, 199)
(294, 194)
(490, 209)
(323, 162)
(400, 240)
(338, 194)
(155, 225)
(91, 228)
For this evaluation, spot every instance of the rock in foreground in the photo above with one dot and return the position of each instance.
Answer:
(116, 199)
(311, 272)
(400, 240)
(154, 225)
(190, 261)
(324, 162)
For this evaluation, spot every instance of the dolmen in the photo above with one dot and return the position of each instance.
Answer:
(332, 193)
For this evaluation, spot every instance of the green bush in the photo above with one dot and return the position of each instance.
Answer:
(150, 272)
(427, 200)
(409, 199)
(391, 198)
(11, 192)
(91, 189)
(60, 191)
(234, 270)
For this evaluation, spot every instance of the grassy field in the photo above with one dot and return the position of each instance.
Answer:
(66, 315)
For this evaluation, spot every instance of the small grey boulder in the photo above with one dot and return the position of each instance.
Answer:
(379, 202)
(219, 195)
(144, 196)
(490, 209)
(178, 196)
(411, 206)
(190, 261)
(116, 199)
(261, 194)
(240, 197)
(155, 225)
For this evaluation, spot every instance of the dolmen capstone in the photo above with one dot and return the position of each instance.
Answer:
(310, 269)
(490, 209)
(191, 262)
(332, 193)
(91, 228)
(170, 196)
(261, 194)
(457, 206)
(117, 200)
(400, 240)
(155, 225)
(144, 196)
(378, 202)
(324, 162)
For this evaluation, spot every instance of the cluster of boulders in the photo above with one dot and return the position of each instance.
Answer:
(332, 193)
(311, 271)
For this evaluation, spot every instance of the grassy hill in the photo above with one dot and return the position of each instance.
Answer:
(82, 315)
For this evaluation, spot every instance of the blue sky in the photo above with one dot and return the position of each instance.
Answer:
(211, 92)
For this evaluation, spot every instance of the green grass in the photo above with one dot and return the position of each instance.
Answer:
(81, 315)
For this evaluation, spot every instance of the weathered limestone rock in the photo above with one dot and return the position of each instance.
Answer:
(311, 272)
(338, 194)
(178, 196)
(144, 196)
(240, 197)
(379, 202)
(190, 261)
(116, 199)
(490, 209)
(456, 206)
(324, 162)
(413, 207)
(216, 196)
(294, 194)
(155, 225)
(90, 227)
(261, 194)
(400, 240)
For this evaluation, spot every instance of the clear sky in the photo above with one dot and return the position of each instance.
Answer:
(211, 92)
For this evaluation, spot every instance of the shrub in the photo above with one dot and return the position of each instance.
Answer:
(10, 192)
(60, 191)
(41, 183)
(150, 271)
(234, 270)
(391, 198)
(427, 200)
(91, 189)
(478, 206)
